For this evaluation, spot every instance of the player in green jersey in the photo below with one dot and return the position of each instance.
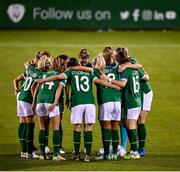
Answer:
(106, 97)
(131, 64)
(109, 102)
(82, 102)
(24, 101)
(130, 81)
(60, 63)
(110, 56)
(46, 100)
(146, 98)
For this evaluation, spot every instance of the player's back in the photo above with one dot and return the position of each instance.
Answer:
(106, 94)
(131, 92)
(81, 87)
(47, 90)
(30, 75)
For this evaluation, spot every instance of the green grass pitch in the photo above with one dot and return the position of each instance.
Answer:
(159, 52)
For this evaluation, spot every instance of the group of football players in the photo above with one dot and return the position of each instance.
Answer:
(124, 99)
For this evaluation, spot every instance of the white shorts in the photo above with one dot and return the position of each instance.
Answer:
(110, 111)
(24, 109)
(89, 112)
(133, 113)
(147, 101)
(42, 110)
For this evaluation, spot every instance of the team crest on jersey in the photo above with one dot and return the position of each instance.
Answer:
(34, 75)
(16, 12)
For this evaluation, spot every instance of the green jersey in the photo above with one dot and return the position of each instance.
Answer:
(106, 94)
(131, 93)
(47, 90)
(30, 75)
(61, 98)
(132, 60)
(145, 86)
(81, 87)
(29, 70)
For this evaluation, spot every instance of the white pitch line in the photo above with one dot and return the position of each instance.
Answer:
(16, 45)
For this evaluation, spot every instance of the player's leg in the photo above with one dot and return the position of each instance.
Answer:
(76, 121)
(105, 118)
(132, 116)
(30, 136)
(22, 136)
(42, 121)
(115, 138)
(47, 149)
(61, 109)
(34, 149)
(29, 129)
(61, 135)
(88, 140)
(124, 137)
(76, 140)
(56, 138)
(55, 120)
(22, 128)
(123, 132)
(41, 113)
(89, 120)
(142, 134)
(101, 150)
(115, 120)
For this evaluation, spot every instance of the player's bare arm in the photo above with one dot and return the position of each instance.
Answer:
(129, 65)
(145, 77)
(51, 78)
(33, 87)
(15, 82)
(82, 68)
(121, 83)
(67, 92)
(34, 97)
(57, 95)
(106, 84)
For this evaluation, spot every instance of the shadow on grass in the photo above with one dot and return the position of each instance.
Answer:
(10, 160)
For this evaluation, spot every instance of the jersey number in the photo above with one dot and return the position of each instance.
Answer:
(136, 85)
(111, 75)
(84, 86)
(27, 83)
(50, 84)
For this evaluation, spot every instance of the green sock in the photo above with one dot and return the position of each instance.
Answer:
(88, 141)
(107, 140)
(132, 134)
(42, 141)
(33, 126)
(56, 138)
(46, 136)
(102, 135)
(20, 129)
(115, 140)
(76, 139)
(29, 137)
(141, 136)
(61, 134)
(23, 136)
